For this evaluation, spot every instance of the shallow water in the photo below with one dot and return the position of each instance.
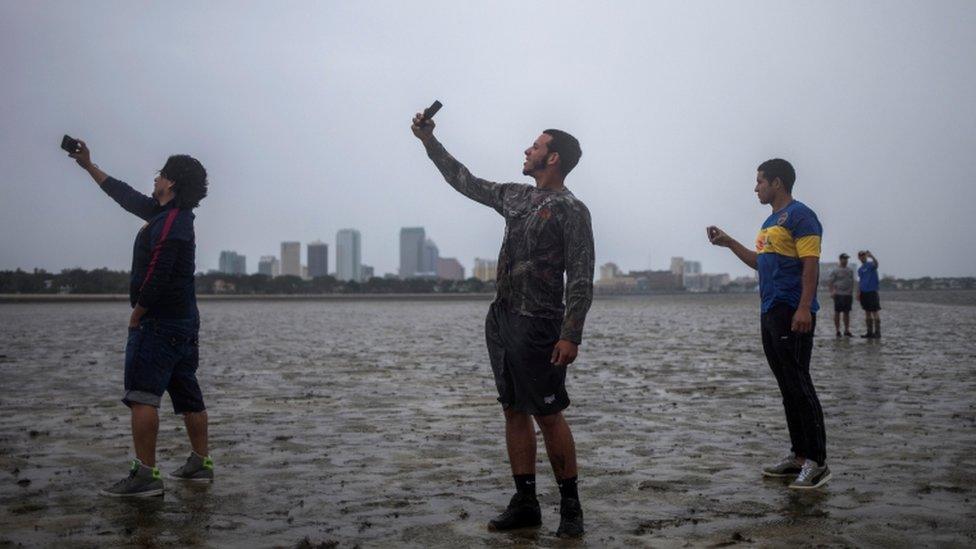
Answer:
(376, 423)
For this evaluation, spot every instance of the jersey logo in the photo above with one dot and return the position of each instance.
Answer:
(782, 218)
(761, 242)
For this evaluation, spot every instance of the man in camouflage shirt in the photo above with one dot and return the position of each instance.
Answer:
(531, 336)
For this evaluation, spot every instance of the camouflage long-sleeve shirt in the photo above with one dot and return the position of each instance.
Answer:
(547, 233)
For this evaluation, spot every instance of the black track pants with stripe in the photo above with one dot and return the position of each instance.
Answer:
(788, 354)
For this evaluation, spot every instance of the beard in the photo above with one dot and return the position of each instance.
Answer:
(536, 166)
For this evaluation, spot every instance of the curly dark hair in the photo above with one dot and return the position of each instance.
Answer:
(189, 179)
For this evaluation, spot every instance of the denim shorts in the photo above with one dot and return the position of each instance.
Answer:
(162, 355)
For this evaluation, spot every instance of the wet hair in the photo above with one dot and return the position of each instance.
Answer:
(568, 148)
(189, 180)
(777, 167)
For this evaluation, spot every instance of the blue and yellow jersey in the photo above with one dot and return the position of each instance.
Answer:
(787, 235)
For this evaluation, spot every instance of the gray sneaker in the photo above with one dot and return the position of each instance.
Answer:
(811, 476)
(197, 469)
(788, 467)
(142, 482)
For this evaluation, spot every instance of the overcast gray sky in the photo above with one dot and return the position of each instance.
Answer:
(300, 112)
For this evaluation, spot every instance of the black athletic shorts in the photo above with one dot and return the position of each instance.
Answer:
(842, 303)
(870, 301)
(520, 350)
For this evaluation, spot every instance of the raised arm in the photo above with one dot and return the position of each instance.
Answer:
(130, 199)
(873, 259)
(455, 173)
(718, 237)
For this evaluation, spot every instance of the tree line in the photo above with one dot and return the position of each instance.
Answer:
(105, 281)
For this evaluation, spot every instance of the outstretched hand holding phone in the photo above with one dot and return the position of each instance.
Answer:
(82, 156)
(423, 123)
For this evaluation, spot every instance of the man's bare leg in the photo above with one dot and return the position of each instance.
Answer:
(145, 427)
(562, 455)
(523, 510)
(196, 430)
(559, 445)
(520, 440)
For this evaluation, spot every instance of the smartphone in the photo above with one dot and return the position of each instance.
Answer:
(70, 144)
(430, 111)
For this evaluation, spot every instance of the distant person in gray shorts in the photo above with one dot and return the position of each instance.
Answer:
(841, 284)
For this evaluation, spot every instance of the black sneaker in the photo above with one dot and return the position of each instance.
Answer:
(570, 519)
(838, 334)
(522, 512)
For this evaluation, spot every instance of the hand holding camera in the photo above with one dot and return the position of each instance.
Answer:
(423, 123)
(77, 149)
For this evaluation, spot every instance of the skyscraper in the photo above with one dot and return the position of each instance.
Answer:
(485, 269)
(268, 265)
(318, 258)
(677, 265)
(291, 258)
(411, 251)
(232, 263)
(349, 255)
(428, 259)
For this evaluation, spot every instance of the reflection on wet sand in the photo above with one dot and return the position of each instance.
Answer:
(375, 423)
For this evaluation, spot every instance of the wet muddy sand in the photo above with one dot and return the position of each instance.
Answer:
(375, 423)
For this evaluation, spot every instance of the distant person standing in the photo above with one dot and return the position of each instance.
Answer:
(787, 257)
(531, 336)
(868, 286)
(162, 353)
(841, 285)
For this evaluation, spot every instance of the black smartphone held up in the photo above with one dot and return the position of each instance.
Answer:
(430, 111)
(69, 144)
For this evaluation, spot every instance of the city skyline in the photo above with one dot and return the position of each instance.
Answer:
(669, 147)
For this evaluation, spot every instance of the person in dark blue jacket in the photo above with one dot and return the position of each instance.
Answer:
(162, 351)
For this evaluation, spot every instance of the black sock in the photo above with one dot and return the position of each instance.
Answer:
(525, 484)
(567, 488)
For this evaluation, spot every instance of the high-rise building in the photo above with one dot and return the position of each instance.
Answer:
(692, 268)
(291, 258)
(349, 250)
(412, 241)
(268, 265)
(609, 271)
(428, 259)
(485, 269)
(367, 272)
(232, 263)
(317, 255)
(678, 265)
(449, 268)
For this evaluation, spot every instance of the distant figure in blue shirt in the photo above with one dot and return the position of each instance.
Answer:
(867, 293)
(161, 353)
(787, 256)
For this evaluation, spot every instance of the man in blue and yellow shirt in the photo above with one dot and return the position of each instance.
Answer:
(787, 255)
